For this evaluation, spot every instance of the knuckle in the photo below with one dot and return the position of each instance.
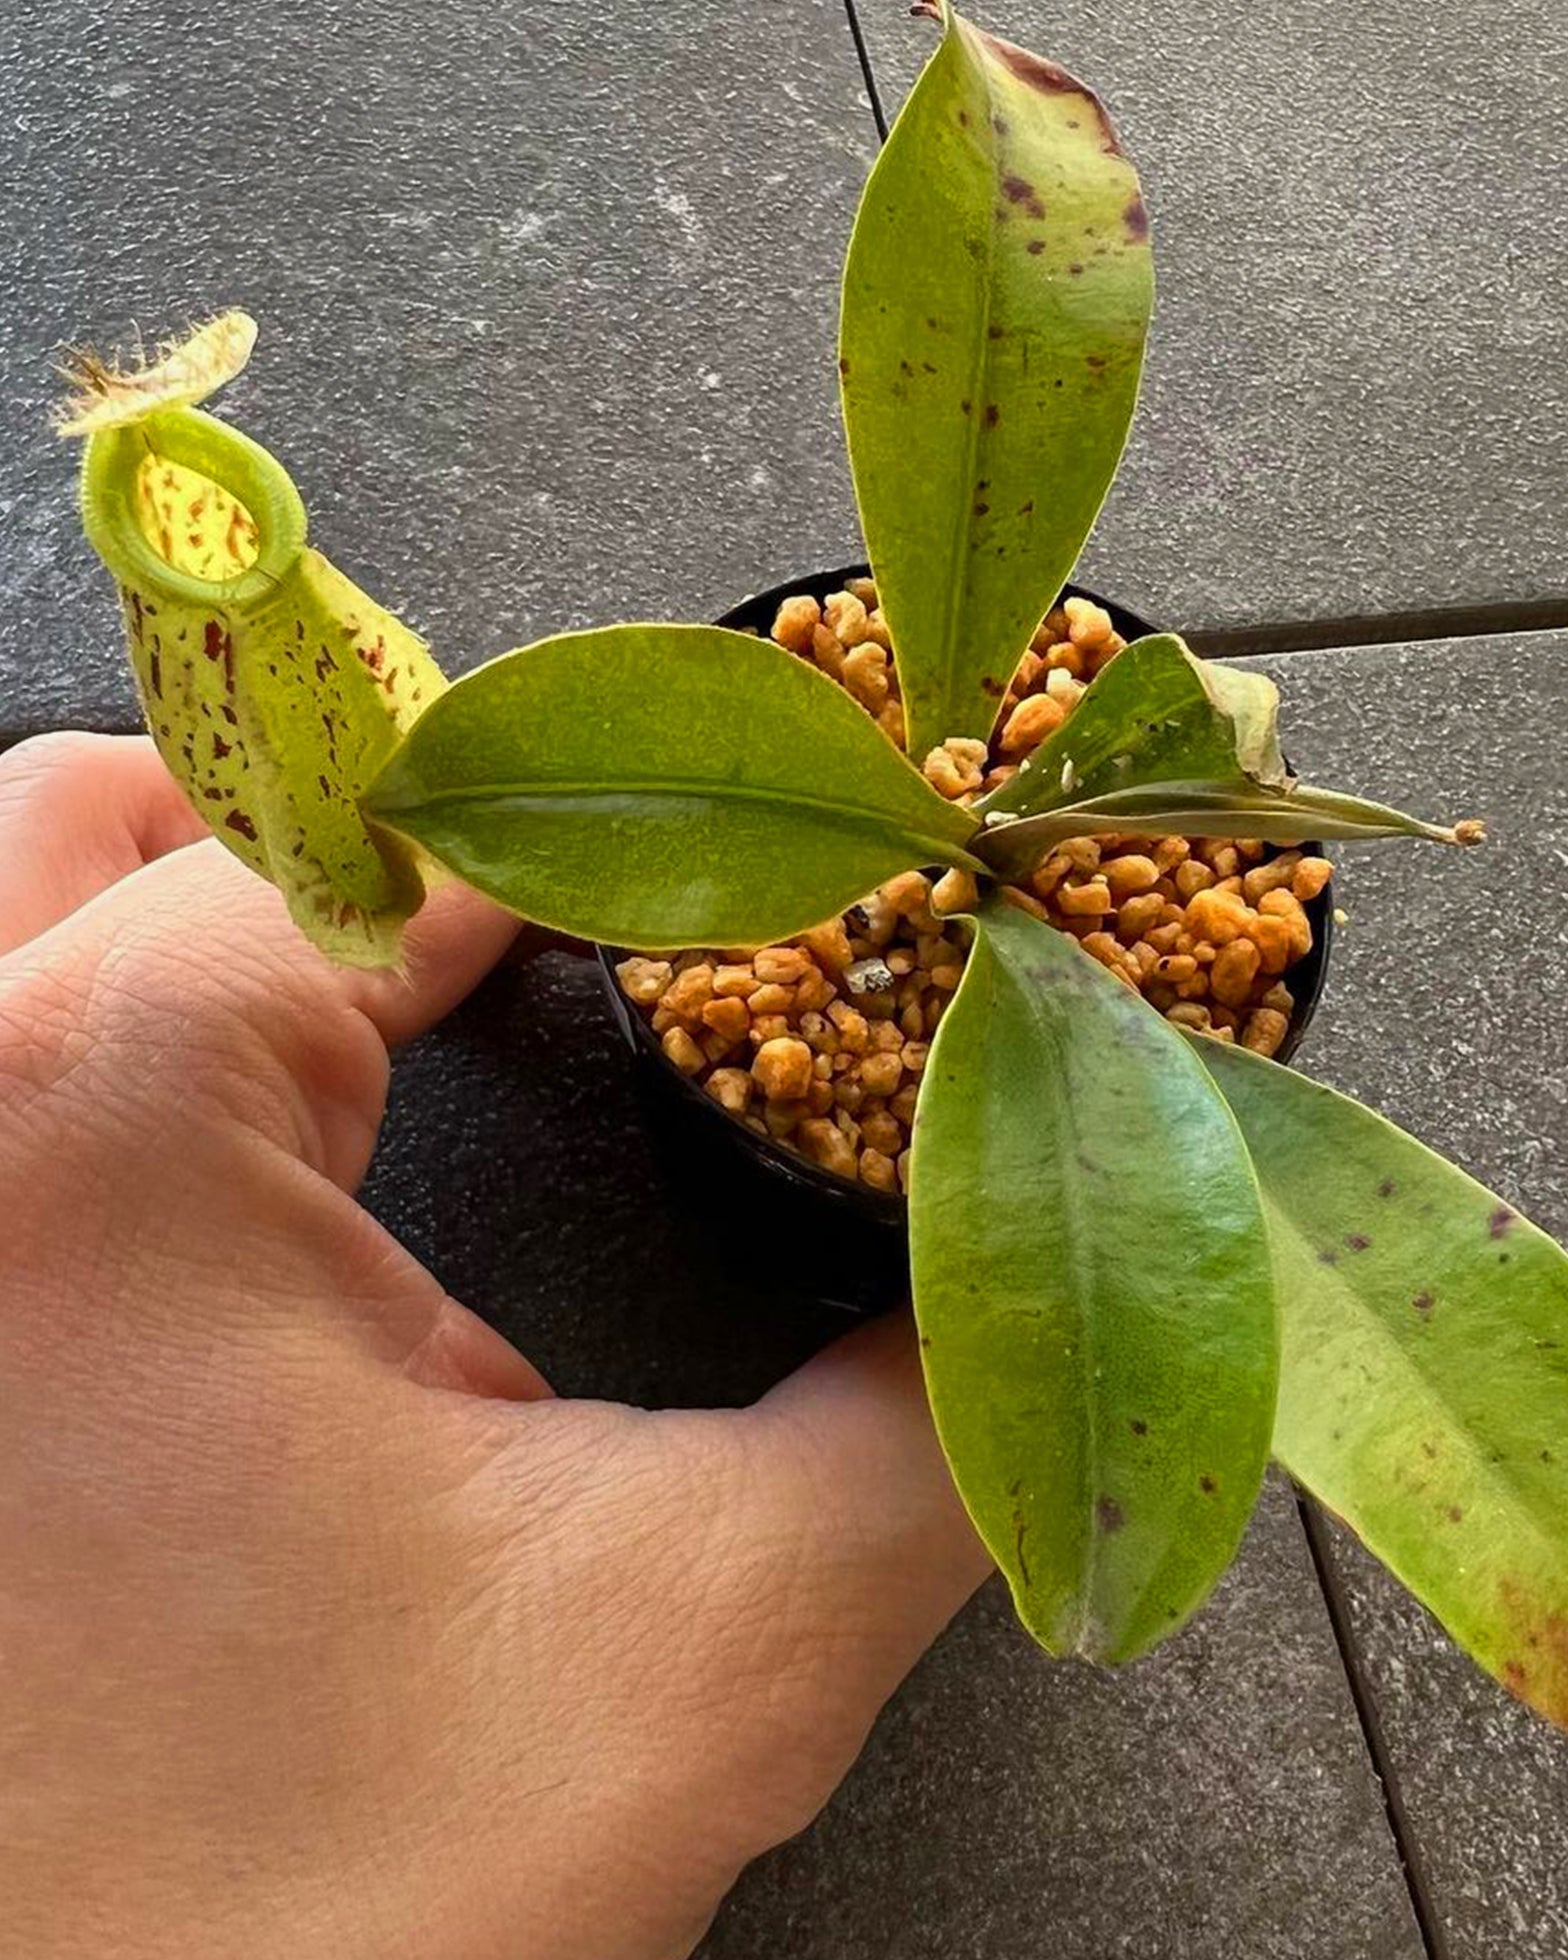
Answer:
(43, 765)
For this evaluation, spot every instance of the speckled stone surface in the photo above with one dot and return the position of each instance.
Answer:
(1353, 395)
(1216, 1799)
(547, 299)
(1443, 1011)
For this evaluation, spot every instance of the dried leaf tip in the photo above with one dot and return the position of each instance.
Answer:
(105, 395)
(1469, 830)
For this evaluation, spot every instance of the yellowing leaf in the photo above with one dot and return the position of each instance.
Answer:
(1424, 1374)
(996, 297)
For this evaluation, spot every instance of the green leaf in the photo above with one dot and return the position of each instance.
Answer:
(1424, 1375)
(996, 297)
(1163, 743)
(273, 687)
(663, 786)
(1094, 1294)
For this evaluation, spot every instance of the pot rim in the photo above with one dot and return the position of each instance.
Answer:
(892, 1207)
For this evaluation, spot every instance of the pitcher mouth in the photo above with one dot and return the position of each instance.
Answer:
(180, 504)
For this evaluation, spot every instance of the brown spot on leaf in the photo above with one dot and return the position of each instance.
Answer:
(1387, 1188)
(1135, 221)
(1423, 1304)
(992, 415)
(1020, 1533)
(992, 686)
(1501, 1220)
(1357, 1241)
(843, 365)
(1207, 1484)
(982, 510)
(1075, 268)
(1018, 190)
(1328, 1257)
(1035, 247)
(1545, 1632)
(237, 820)
(1455, 1513)
(1139, 1427)
(1108, 1514)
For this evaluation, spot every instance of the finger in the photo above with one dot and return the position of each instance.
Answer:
(850, 1444)
(78, 812)
(194, 959)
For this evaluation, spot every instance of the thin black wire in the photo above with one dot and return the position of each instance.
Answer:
(865, 69)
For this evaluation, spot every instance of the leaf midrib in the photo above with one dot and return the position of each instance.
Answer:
(1084, 1269)
(958, 586)
(871, 816)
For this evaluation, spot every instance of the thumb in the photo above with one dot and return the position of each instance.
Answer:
(884, 1523)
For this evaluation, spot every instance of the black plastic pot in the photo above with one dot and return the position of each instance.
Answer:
(831, 1205)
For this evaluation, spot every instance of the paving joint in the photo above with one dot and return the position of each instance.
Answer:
(1400, 628)
(1315, 1526)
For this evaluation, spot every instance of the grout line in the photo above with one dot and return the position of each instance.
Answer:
(1315, 1525)
(1348, 634)
(1383, 629)
(866, 71)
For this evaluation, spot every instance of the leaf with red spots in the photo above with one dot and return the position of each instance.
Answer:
(1163, 743)
(1424, 1378)
(996, 298)
(273, 687)
(1101, 1372)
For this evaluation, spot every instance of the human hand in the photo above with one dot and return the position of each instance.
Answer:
(325, 1628)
